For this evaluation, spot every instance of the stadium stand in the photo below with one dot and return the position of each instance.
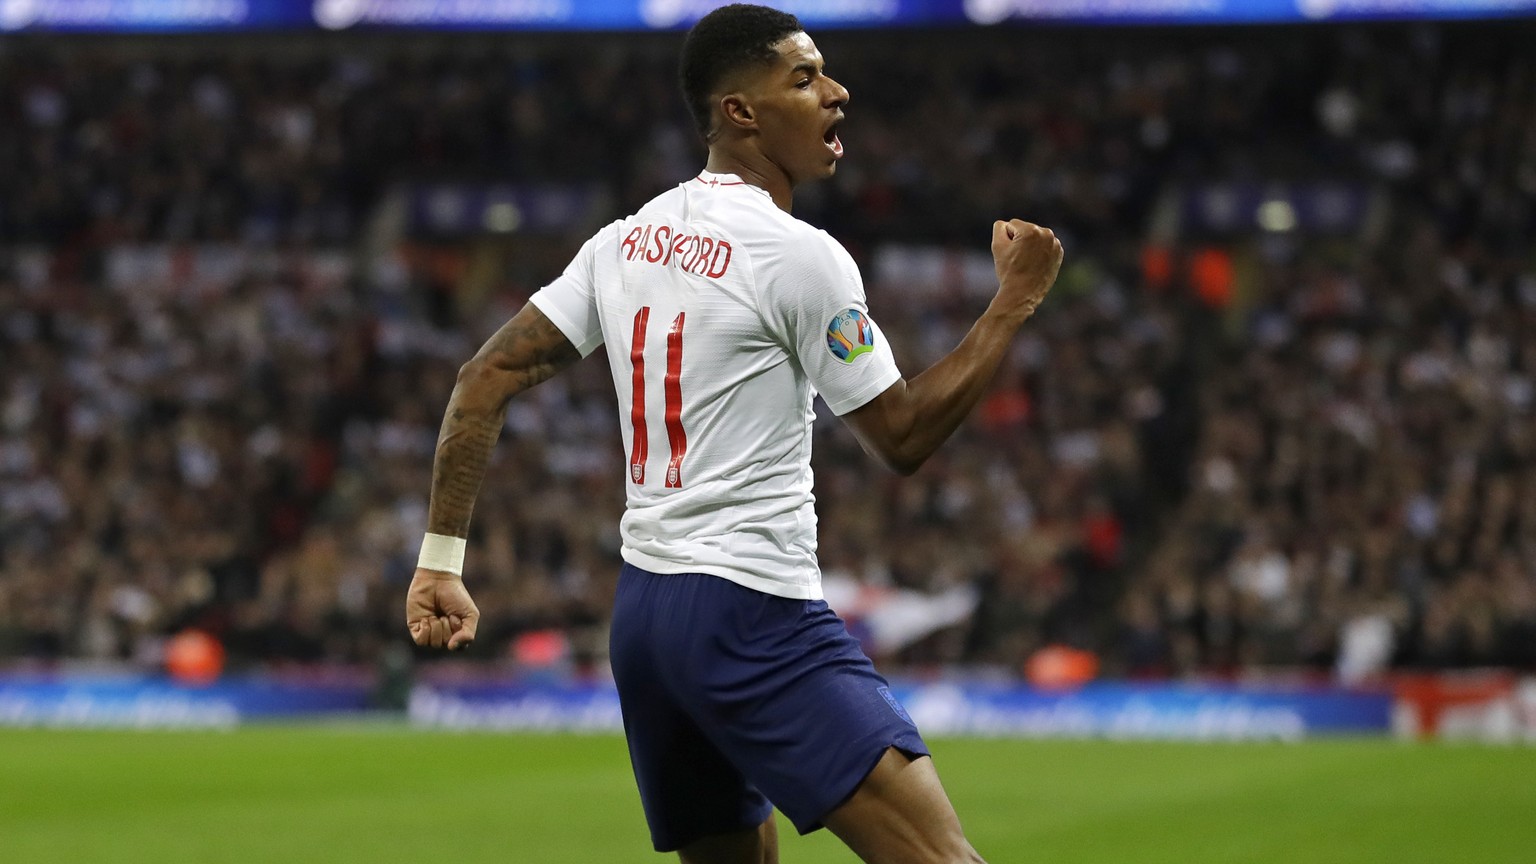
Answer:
(1277, 413)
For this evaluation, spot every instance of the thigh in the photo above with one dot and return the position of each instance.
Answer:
(688, 788)
(758, 845)
(901, 815)
(793, 702)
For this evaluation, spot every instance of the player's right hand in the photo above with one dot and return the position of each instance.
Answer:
(1027, 258)
(439, 612)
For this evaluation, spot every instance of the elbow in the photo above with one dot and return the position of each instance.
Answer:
(889, 431)
(897, 451)
(906, 466)
(473, 371)
(901, 460)
(484, 373)
(481, 382)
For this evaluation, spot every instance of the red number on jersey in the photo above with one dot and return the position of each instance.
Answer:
(672, 393)
(637, 405)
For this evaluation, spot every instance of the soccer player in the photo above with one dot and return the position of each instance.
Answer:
(723, 314)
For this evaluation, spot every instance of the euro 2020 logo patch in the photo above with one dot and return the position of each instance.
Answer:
(849, 335)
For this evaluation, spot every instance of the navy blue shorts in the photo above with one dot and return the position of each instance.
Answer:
(734, 698)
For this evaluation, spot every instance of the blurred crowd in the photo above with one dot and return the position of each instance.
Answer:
(218, 404)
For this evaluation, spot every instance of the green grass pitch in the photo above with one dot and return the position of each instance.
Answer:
(340, 794)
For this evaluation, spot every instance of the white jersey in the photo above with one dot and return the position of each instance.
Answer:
(721, 312)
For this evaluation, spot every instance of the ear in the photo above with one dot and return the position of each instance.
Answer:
(737, 111)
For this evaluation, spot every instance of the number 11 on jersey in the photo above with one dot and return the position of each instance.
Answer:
(672, 393)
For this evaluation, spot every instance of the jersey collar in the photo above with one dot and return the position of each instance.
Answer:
(713, 180)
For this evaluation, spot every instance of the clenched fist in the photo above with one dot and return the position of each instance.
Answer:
(1027, 258)
(438, 610)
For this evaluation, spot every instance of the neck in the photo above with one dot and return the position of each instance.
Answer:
(755, 169)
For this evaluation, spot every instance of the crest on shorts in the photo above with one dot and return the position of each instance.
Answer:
(895, 706)
(849, 335)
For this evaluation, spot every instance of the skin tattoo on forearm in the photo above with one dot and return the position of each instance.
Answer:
(526, 351)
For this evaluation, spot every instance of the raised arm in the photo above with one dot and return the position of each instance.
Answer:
(904, 425)
(526, 350)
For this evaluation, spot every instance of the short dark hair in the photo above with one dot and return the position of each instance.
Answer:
(722, 42)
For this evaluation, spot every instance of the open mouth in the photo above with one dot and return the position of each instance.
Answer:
(831, 139)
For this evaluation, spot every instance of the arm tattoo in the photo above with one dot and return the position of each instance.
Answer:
(525, 351)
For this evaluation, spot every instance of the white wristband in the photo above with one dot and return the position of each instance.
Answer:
(441, 552)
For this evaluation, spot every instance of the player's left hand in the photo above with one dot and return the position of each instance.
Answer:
(439, 612)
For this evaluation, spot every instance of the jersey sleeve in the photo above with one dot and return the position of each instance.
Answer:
(570, 302)
(814, 304)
